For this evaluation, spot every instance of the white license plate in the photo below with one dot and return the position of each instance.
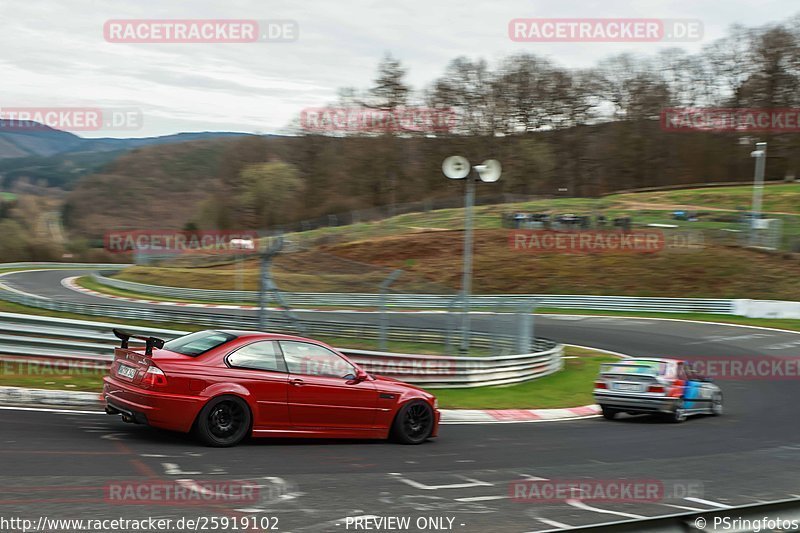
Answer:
(126, 371)
(628, 387)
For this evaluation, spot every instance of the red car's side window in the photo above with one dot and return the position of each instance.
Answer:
(263, 355)
(314, 360)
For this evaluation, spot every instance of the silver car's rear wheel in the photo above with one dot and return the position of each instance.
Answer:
(608, 412)
(679, 414)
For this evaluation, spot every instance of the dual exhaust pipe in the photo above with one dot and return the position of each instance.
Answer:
(127, 416)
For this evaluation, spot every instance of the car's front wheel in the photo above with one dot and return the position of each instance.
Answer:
(224, 421)
(413, 423)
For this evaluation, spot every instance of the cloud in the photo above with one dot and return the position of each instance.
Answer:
(55, 54)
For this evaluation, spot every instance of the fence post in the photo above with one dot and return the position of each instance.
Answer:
(451, 327)
(391, 278)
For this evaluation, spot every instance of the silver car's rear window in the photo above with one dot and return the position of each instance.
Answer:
(637, 367)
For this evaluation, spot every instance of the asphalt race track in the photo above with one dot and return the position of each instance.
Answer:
(57, 464)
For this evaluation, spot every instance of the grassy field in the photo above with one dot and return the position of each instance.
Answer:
(427, 246)
(778, 198)
(571, 387)
(43, 376)
(645, 207)
(7, 196)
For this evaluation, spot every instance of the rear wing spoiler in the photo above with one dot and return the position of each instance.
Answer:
(150, 342)
(607, 368)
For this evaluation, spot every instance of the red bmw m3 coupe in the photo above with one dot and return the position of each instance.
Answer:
(224, 385)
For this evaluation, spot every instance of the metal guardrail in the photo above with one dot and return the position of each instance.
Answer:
(49, 265)
(276, 323)
(435, 301)
(27, 336)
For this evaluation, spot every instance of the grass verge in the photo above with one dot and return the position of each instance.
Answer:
(572, 387)
(40, 375)
(777, 323)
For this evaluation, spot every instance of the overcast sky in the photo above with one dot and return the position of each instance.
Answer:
(54, 53)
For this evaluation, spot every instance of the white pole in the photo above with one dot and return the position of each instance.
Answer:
(758, 180)
(466, 282)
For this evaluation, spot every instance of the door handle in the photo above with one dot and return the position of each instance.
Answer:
(297, 382)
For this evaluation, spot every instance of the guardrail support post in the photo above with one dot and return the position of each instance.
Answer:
(525, 324)
(450, 326)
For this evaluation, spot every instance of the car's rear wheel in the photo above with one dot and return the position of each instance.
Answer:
(679, 414)
(716, 404)
(224, 421)
(413, 423)
(609, 413)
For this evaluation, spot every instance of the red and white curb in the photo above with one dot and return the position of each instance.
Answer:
(71, 283)
(510, 416)
(16, 396)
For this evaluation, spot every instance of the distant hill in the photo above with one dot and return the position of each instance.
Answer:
(60, 170)
(25, 139)
(149, 187)
(48, 157)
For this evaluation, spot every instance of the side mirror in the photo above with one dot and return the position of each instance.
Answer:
(358, 378)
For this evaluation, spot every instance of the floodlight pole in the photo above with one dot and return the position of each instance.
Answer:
(466, 281)
(457, 167)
